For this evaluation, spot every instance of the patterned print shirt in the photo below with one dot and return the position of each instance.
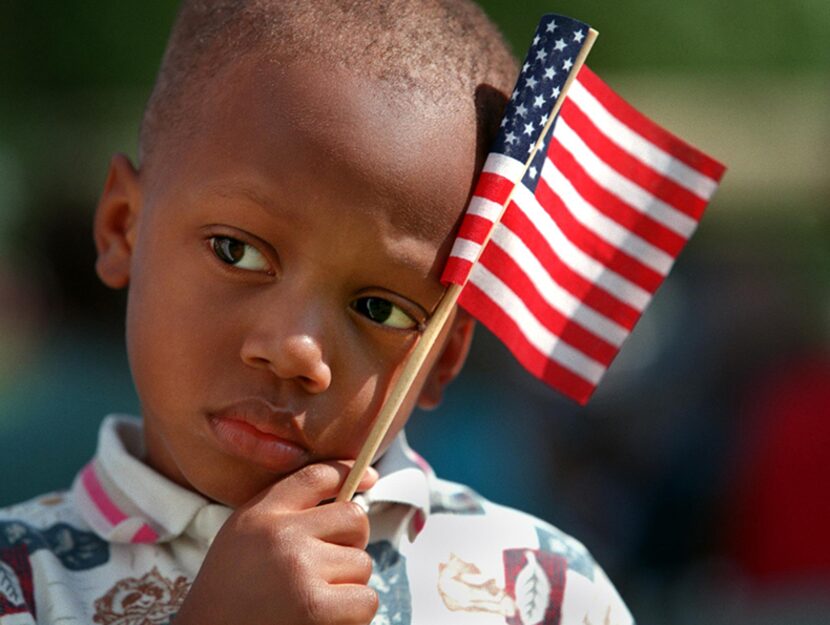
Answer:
(124, 544)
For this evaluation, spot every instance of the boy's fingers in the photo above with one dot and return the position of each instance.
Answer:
(347, 604)
(340, 523)
(308, 486)
(344, 565)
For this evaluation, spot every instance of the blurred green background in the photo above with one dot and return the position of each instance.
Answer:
(706, 443)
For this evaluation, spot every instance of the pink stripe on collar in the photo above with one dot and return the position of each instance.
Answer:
(108, 509)
(145, 534)
(98, 496)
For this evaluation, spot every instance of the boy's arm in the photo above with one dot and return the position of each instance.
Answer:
(283, 559)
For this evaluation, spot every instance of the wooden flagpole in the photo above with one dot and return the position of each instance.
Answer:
(438, 320)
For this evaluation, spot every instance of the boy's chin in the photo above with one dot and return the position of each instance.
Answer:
(235, 490)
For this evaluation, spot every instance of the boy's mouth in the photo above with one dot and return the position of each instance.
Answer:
(255, 431)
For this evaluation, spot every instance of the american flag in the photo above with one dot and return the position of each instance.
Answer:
(593, 222)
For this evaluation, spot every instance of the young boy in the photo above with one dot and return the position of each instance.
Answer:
(302, 169)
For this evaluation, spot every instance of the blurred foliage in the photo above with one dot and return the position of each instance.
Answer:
(69, 45)
(695, 35)
(51, 45)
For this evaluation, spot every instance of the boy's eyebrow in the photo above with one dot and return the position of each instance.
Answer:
(237, 191)
(404, 259)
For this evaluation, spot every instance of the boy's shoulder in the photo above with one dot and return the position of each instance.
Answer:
(49, 523)
(39, 510)
(473, 513)
(497, 559)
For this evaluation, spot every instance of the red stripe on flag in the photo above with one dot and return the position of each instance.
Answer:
(475, 228)
(612, 206)
(456, 271)
(612, 257)
(505, 328)
(654, 182)
(586, 291)
(493, 187)
(508, 271)
(638, 122)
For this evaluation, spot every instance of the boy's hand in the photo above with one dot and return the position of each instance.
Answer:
(281, 559)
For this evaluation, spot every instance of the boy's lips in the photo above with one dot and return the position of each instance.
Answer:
(256, 431)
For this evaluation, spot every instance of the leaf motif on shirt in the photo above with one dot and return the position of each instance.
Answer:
(10, 587)
(532, 591)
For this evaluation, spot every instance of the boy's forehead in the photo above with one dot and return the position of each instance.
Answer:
(415, 154)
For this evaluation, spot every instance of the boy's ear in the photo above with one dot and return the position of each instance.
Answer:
(116, 221)
(450, 361)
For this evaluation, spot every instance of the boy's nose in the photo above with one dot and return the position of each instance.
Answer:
(290, 356)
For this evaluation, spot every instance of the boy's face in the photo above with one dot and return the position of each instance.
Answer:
(280, 259)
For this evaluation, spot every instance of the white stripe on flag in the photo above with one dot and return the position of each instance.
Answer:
(465, 249)
(580, 262)
(504, 166)
(638, 146)
(555, 295)
(614, 182)
(488, 209)
(538, 335)
(605, 228)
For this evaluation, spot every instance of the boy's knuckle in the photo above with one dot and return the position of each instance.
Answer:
(314, 476)
(283, 534)
(364, 565)
(315, 605)
(366, 603)
(300, 565)
(355, 516)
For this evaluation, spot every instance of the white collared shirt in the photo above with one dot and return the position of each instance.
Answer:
(124, 544)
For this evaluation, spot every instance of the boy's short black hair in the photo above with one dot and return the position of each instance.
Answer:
(445, 50)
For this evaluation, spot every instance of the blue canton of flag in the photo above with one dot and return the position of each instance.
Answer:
(549, 61)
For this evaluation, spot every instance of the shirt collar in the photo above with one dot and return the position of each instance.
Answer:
(405, 478)
(125, 501)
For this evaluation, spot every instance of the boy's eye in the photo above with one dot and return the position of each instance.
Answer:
(384, 312)
(239, 254)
